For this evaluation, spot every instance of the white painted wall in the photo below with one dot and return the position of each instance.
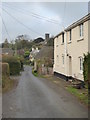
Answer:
(76, 48)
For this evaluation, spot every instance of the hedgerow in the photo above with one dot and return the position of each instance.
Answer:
(14, 64)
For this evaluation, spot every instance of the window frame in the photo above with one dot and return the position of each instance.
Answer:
(70, 35)
(81, 30)
(63, 38)
(81, 64)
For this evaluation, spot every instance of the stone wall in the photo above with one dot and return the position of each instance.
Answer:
(45, 70)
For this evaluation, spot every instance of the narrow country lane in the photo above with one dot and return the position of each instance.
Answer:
(38, 98)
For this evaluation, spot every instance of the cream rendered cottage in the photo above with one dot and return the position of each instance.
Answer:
(69, 48)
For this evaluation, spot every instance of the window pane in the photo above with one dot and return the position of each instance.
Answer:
(81, 64)
(63, 38)
(81, 30)
(70, 35)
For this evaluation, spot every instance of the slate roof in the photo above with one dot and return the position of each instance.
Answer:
(45, 52)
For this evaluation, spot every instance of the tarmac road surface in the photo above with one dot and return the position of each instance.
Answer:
(38, 98)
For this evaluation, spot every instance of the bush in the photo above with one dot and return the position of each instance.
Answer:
(34, 72)
(14, 64)
(86, 67)
(21, 59)
(26, 55)
(27, 62)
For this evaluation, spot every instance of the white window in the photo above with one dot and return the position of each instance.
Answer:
(81, 64)
(81, 30)
(63, 59)
(62, 38)
(70, 35)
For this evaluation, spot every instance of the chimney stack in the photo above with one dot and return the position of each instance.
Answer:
(47, 36)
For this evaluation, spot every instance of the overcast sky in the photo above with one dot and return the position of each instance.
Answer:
(37, 18)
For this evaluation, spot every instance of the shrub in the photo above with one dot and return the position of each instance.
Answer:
(14, 64)
(26, 55)
(86, 67)
(34, 72)
(27, 62)
(21, 59)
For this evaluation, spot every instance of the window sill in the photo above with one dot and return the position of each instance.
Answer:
(69, 42)
(80, 39)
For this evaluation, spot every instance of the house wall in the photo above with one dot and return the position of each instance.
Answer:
(76, 48)
(71, 51)
(59, 50)
(89, 36)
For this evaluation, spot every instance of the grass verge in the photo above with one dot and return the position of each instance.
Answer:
(82, 96)
(38, 75)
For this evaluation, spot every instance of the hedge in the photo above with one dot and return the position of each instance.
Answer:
(14, 64)
(5, 74)
(21, 59)
(5, 69)
(86, 67)
(26, 55)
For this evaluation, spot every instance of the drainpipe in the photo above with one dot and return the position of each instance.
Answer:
(66, 55)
